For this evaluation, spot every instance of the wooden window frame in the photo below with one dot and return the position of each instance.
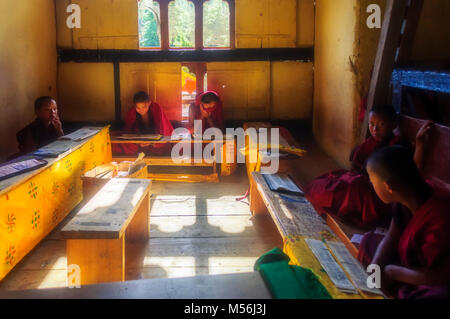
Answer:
(198, 4)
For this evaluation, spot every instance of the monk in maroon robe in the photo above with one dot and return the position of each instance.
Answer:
(349, 195)
(45, 129)
(145, 117)
(207, 108)
(414, 255)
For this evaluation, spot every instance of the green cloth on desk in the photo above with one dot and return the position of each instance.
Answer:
(288, 281)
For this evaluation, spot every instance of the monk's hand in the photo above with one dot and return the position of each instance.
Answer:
(424, 134)
(204, 113)
(56, 122)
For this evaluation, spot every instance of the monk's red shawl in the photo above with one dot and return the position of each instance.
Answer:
(349, 195)
(216, 112)
(161, 126)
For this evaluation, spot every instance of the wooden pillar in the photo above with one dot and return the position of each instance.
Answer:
(384, 60)
(409, 33)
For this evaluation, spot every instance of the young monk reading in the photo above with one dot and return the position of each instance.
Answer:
(415, 253)
(349, 194)
(145, 117)
(207, 108)
(45, 129)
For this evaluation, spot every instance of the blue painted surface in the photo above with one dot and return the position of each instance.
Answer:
(427, 80)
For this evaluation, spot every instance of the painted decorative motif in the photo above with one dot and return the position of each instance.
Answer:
(71, 188)
(33, 190)
(10, 254)
(92, 147)
(44, 201)
(11, 222)
(35, 219)
(55, 188)
(55, 216)
(83, 166)
(68, 165)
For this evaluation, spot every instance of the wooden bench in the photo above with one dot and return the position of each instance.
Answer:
(436, 167)
(98, 235)
(297, 221)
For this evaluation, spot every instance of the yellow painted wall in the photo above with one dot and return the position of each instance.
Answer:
(105, 24)
(341, 36)
(161, 80)
(86, 91)
(27, 64)
(244, 87)
(334, 82)
(274, 23)
(113, 24)
(292, 90)
(251, 90)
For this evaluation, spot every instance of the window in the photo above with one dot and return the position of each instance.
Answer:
(193, 77)
(216, 24)
(186, 24)
(149, 24)
(188, 90)
(181, 24)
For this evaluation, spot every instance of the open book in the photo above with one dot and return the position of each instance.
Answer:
(81, 134)
(282, 183)
(20, 166)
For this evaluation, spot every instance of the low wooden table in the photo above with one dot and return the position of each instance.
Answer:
(98, 235)
(167, 160)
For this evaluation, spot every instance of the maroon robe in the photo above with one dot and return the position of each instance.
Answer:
(424, 243)
(216, 112)
(159, 124)
(349, 195)
(36, 135)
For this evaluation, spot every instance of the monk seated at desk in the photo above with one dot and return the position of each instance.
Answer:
(145, 117)
(414, 255)
(349, 195)
(208, 109)
(45, 129)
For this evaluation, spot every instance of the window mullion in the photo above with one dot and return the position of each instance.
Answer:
(198, 24)
(232, 8)
(164, 10)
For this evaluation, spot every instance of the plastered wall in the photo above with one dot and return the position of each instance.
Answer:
(345, 50)
(27, 64)
(251, 90)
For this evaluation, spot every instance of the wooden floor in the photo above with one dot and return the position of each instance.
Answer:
(195, 229)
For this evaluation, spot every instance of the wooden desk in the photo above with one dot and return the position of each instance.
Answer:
(98, 235)
(167, 160)
(254, 157)
(229, 286)
(297, 221)
(32, 204)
